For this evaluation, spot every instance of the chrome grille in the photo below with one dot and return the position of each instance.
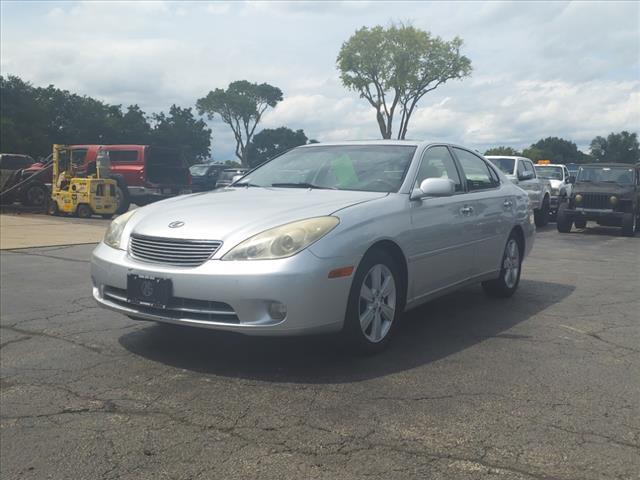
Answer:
(172, 251)
(596, 200)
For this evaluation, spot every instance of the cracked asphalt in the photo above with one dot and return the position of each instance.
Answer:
(545, 385)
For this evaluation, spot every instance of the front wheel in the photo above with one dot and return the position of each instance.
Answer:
(507, 283)
(52, 208)
(376, 301)
(563, 222)
(123, 201)
(542, 215)
(84, 211)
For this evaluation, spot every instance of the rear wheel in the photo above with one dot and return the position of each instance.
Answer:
(629, 224)
(542, 215)
(36, 195)
(507, 283)
(84, 211)
(563, 222)
(376, 301)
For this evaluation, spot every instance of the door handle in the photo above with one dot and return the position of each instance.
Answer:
(507, 204)
(466, 210)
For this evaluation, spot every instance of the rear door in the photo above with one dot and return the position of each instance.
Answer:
(440, 253)
(493, 211)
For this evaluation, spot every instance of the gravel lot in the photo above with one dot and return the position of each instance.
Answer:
(545, 385)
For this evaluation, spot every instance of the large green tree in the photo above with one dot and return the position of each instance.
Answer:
(241, 106)
(394, 68)
(617, 147)
(508, 151)
(272, 141)
(182, 130)
(33, 118)
(556, 149)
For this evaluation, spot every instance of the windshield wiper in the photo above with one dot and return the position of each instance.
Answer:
(301, 185)
(245, 184)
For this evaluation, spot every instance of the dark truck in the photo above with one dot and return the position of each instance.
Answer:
(12, 188)
(608, 193)
(144, 173)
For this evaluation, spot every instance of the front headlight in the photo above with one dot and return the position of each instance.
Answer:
(114, 232)
(283, 241)
(555, 191)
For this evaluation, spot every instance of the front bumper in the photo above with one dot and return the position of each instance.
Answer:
(315, 303)
(594, 214)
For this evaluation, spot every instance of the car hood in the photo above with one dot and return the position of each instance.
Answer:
(556, 183)
(238, 213)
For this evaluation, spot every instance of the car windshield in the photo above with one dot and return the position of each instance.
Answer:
(550, 173)
(372, 168)
(198, 170)
(505, 164)
(621, 175)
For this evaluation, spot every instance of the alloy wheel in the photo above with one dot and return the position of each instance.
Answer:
(511, 263)
(377, 306)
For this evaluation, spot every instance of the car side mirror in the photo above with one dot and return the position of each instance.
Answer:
(434, 187)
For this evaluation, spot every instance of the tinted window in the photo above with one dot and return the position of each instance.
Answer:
(15, 162)
(620, 175)
(550, 173)
(475, 170)
(129, 156)
(438, 163)
(504, 164)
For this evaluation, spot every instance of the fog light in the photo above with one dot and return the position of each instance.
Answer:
(578, 198)
(613, 200)
(277, 310)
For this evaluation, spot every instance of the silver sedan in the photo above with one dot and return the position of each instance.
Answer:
(326, 237)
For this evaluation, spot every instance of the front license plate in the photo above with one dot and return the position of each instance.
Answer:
(150, 291)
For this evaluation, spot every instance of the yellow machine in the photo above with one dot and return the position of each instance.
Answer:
(81, 196)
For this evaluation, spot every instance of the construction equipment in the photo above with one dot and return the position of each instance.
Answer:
(86, 195)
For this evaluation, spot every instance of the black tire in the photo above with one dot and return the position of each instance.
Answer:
(563, 222)
(352, 331)
(507, 282)
(629, 224)
(580, 223)
(123, 198)
(542, 214)
(36, 195)
(84, 211)
(52, 208)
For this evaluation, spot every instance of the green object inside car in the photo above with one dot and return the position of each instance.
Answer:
(344, 171)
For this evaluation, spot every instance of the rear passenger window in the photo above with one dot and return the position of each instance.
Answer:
(475, 170)
(123, 156)
(438, 163)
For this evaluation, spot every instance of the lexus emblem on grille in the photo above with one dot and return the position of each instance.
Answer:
(146, 288)
(176, 224)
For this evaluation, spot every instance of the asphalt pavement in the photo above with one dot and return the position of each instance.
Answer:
(545, 385)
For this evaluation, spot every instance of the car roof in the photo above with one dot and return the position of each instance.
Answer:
(607, 165)
(407, 143)
(549, 165)
(512, 157)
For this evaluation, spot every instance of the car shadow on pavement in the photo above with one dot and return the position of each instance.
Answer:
(433, 331)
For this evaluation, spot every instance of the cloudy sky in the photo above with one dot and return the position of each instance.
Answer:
(568, 69)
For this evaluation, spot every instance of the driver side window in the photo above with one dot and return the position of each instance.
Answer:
(438, 163)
